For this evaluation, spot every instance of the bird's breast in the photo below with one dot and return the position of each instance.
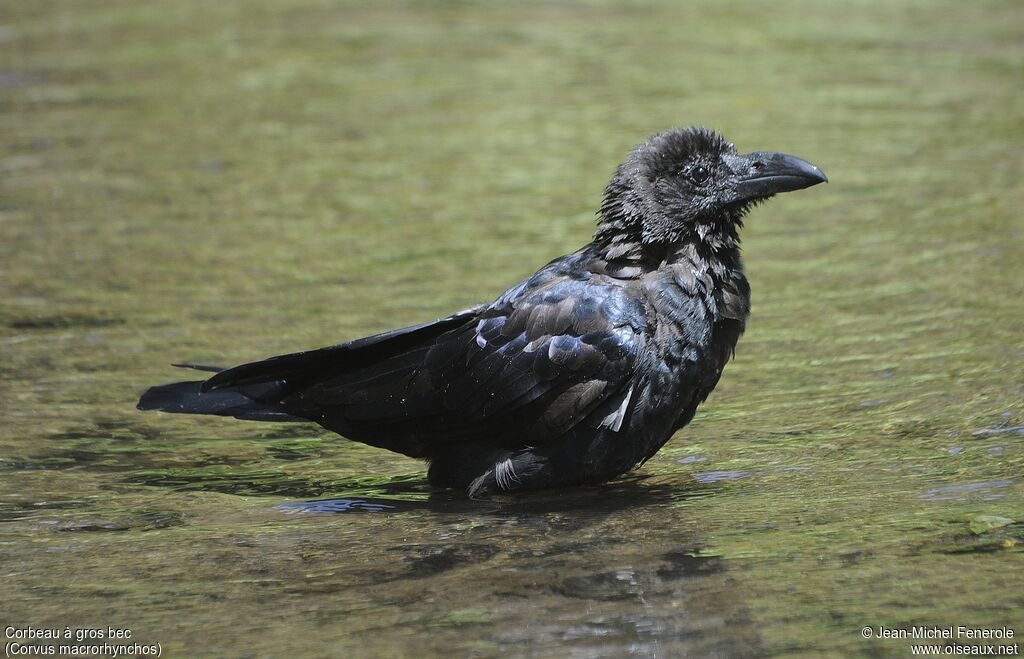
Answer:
(698, 313)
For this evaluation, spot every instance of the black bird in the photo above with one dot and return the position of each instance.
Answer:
(573, 376)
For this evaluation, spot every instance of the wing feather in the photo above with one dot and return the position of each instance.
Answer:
(522, 371)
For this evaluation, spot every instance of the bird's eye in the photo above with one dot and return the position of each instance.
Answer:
(699, 173)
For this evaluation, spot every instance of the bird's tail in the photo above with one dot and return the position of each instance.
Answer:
(256, 391)
(187, 398)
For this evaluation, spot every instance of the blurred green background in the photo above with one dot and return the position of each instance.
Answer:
(218, 182)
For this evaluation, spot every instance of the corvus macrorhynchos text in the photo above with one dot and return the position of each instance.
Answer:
(577, 374)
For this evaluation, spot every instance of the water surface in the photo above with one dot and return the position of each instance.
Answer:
(218, 182)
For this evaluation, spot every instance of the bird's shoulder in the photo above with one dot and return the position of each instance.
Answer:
(569, 296)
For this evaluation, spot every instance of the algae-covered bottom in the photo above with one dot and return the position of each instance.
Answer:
(222, 182)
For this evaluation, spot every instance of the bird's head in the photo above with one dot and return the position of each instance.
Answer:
(692, 184)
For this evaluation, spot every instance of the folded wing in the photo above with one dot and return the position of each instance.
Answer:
(554, 352)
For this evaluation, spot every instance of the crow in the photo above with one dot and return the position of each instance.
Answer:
(574, 376)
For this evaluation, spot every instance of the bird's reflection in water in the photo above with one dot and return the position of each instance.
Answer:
(600, 571)
(345, 506)
(404, 495)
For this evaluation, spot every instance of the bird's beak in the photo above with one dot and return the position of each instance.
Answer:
(765, 173)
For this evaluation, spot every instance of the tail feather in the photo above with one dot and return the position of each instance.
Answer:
(186, 398)
(266, 390)
(200, 367)
(299, 369)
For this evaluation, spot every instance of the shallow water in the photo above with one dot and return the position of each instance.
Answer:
(222, 182)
